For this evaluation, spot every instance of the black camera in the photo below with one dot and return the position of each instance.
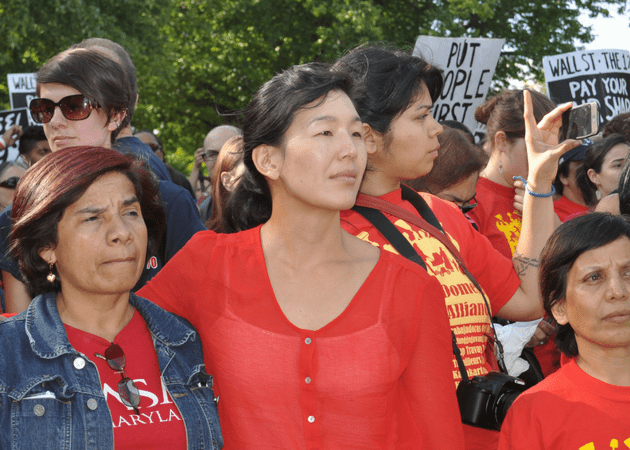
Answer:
(484, 401)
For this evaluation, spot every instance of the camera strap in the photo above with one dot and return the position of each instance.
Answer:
(372, 208)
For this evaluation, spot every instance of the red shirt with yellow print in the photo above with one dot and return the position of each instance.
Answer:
(466, 309)
(467, 312)
(496, 216)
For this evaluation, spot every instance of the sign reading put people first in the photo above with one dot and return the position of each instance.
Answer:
(468, 65)
(601, 76)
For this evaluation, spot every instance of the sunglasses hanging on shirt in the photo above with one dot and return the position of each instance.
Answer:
(127, 389)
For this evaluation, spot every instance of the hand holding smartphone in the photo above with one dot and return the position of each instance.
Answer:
(580, 122)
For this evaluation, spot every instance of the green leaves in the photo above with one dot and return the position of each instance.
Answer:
(200, 61)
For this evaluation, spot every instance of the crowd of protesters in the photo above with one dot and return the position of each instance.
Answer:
(351, 274)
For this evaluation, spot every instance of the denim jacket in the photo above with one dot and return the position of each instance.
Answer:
(48, 399)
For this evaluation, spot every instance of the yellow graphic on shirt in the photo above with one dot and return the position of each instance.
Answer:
(511, 227)
(467, 311)
(614, 445)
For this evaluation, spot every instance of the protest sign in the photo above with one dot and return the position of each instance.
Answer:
(21, 90)
(600, 76)
(468, 65)
(7, 120)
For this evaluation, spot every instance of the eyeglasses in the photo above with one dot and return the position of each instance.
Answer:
(73, 107)
(210, 155)
(127, 389)
(155, 147)
(470, 206)
(10, 183)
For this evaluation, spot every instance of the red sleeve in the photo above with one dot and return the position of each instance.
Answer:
(520, 430)
(428, 379)
(177, 287)
(494, 272)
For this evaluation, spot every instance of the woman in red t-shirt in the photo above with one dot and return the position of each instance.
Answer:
(584, 272)
(315, 338)
(396, 94)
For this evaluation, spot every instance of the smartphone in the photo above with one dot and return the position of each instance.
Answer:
(580, 121)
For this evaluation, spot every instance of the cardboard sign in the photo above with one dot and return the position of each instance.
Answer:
(22, 90)
(469, 65)
(7, 120)
(601, 76)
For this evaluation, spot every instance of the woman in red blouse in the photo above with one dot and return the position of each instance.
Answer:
(316, 339)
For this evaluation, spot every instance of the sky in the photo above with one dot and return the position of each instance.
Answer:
(613, 32)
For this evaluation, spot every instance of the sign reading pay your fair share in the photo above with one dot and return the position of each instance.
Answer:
(468, 65)
(601, 76)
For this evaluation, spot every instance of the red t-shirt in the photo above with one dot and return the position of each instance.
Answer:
(496, 216)
(469, 318)
(465, 306)
(159, 424)
(564, 208)
(569, 410)
(360, 382)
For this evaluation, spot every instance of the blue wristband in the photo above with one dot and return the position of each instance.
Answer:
(536, 194)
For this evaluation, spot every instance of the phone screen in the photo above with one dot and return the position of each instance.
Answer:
(580, 121)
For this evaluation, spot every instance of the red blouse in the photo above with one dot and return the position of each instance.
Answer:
(376, 377)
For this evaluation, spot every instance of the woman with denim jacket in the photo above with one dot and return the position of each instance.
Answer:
(89, 364)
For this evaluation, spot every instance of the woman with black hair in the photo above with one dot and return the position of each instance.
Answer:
(394, 99)
(455, 172)
(584, 276)
(316, 339)
(599, 174)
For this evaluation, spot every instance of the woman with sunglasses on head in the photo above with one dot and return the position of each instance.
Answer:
(397, 92)
(455, 172)
(89, 362)
(315, 338)
(83, 97)
(10, 174)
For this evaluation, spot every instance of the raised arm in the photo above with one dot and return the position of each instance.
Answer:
(543, 152)
(194, 173)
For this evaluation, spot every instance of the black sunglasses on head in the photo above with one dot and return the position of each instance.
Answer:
(210, 154)
(470, 206)
(155, 147)
(127, 389)
(73, 107)
(10, 183)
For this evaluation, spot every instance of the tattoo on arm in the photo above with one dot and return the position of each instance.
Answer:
(522, 263)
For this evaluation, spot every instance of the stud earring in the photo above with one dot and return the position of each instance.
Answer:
(117, 124)
(51, 277)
